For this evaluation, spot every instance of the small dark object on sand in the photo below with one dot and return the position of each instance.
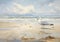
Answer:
(50, 37)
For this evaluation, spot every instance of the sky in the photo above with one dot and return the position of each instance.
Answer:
(30, 7)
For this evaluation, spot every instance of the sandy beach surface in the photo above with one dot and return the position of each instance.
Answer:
(13, 31)
(50, 40)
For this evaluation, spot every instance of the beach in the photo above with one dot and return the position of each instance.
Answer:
(11, 30)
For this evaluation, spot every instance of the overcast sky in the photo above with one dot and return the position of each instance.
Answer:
(36, 7)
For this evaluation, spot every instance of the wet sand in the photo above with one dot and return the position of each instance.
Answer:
(8, 24)
(10, 35)
(15, 40)
(54, 40)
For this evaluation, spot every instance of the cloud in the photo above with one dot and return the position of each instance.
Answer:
(51, 7)
(17, 8)
(20, 9)
(37, 7)
(56, 6)
(46, 10)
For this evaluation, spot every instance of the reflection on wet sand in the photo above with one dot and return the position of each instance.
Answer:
(41, 40)
(30, 29)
